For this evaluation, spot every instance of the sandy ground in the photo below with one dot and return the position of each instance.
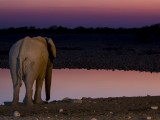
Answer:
(122, 108)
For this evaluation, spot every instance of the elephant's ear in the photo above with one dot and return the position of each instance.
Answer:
(51, 49)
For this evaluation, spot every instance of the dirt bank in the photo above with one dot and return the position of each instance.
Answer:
(122, 108)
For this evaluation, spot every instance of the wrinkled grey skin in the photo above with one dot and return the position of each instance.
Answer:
(31, 59)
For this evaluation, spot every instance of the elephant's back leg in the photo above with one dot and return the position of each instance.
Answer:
(12, 65)
(28, 80)
(39, 84)
(30, 74)
(15, 81)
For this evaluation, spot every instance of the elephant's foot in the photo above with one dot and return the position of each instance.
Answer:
(40, 102)
(28, 102)
(14, 103)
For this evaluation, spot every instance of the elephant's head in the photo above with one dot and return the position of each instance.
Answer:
(48, 77)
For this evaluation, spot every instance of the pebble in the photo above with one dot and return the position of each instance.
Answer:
(77, 101)
(129, 117)
(61, 110)
(154, 107)
(66, 98)
(16, 114)
(45, 107)
(93, 119)
(36, 118)
(111, 112)
(149, 118)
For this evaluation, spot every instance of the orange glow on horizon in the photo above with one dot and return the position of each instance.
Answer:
(112, 5)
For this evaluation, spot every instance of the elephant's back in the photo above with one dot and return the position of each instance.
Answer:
(14, 50)
(33, 47)
(13, 54)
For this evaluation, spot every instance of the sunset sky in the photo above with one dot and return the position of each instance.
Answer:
(73, 13)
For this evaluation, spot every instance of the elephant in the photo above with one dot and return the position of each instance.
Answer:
(31, 59)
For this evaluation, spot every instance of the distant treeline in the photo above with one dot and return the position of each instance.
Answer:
(146, 33)
(59, 29)
(94, 48)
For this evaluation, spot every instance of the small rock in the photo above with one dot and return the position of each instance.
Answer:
(77, 101)
(48, 117)
(149, 118)
(129, 117)
(93, 119)
(36, 118)
(45, 107)
(66, 98)
(61, 110)
(16, 114)
(154, 107)
(111, 112)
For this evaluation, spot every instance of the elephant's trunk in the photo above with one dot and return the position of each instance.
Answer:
(48, 79)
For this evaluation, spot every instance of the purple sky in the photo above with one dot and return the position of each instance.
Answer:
(73, 13)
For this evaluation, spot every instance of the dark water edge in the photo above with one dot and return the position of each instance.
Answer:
(122, 51)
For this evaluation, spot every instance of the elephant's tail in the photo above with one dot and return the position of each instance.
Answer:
(20, 61)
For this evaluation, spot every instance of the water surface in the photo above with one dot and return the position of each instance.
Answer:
(78, 83)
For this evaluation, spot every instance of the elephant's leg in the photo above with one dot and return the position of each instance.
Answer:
(16, 83)
(28, 98)
(37, 97)
(16, 89)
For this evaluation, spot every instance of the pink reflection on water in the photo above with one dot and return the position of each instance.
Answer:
(78, 83)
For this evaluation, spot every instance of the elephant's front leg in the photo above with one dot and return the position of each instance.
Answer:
(37, 96)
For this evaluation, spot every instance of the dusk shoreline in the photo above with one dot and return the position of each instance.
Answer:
(119, 108)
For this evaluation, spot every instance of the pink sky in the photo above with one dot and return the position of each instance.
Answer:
(72, 13)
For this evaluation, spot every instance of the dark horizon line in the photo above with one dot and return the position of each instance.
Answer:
(79, 27)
